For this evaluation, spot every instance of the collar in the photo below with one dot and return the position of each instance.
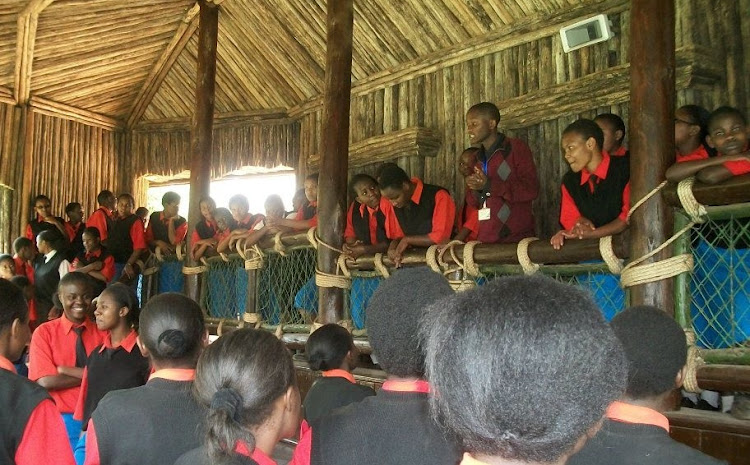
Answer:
(257, 454)
(106, 211)
(362, 208)
(417, 385)
(629, 413)
(74, 225)
(174, 374)
(48, 256)
(620, 152)
(698, 154)
(469, 460)
(127, 343)
(416, 196)
(337, 373)
(67, 325)
(95, 254)
(7, 365)
(498, 145)
(600, 171)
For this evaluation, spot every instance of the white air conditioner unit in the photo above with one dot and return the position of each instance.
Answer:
(586, 32)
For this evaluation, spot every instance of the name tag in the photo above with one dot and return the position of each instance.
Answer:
(484, 214)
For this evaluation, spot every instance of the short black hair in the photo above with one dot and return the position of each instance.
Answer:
(93, 231)
(172, 327)
(239, 200)
(20, 243)
(53, 237)
(722, 112)
(393, 315)
(20, 281)
(125, 195)
(222, 212)
(41, 197)
(209, 200)
(391, 176)
(5, 256)
(141, 211)
(125, 296)
(13, 304)
(613, 120)
(71, 206)
(358, 178)
(700, 117)
(103, 196)
(486, 109)
(586, 128)
(327, 346)
(521, 367)
(169, 198)
(655, 347)
(75, 277)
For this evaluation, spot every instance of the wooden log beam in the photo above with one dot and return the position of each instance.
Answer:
(202, 134)
(27, 173)
(724, 377)
(733, 191)
(162, 66)
(263, 115)
(27, 24)
(61, 110)
(652, 97)
(335, 145)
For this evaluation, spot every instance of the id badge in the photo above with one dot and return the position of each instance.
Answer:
(484, 213)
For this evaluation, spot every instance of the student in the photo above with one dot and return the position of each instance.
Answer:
(421, 214)
(613, 128)
(7, 267)
(690, 133)
(163, 419)
(225, 225)
(95, 261)
(166, 229)
(102, 217)
(205, 230)
(142, 213)
(247, 381)
(127, 241)
(240, 208)
(115, 364)
(505, 187)
(393, 426)
(49, 267)
(307, 215)
(74, 228)
(635, 429)
(32, 429)
(530, 398)
(25, 252)
(59, 349)
(23, 283)
(331, 349)
(274, 208)
(298, 201)
(44, 219)
(468, 215)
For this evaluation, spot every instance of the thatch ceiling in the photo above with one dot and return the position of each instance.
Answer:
(135, 60)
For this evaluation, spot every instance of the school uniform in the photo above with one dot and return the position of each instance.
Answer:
(699, 153)
(153, 424)
(31, 430)
(335, 389)
(102, 220)
(393, 426)
(38, 225)
(48, 270)
(468, 217)
(513, 186)
(75, 235)
(430, 211)
(125, 236)
(620, 152)
(158, 228)
(108, 267)
(633, 435)
(738, 167)
(249, 221)
(24, 268)
(199, 456)
(308, 212)
(203, 230)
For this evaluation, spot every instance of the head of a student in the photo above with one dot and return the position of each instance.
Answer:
(207, 206)
(274, 206)
(171, 204)
(172, 331)
(366, 190)
(482, 120)
(311, 187)
(656, 351)
(224, 219)
(331, 347)
(25, 284)
(142, 213)
(92, 239)
(74, 292)
(728, 131)
(74, 212)
(582, 145)
(42, 206)
(395, 185)
(106, 199)
(467, 161)
(7, 266)
(690, 125)
(15, 333)
(126, 203)
(560, 365)
(613, 128)
(24, 248)
(49, 240)
(393, 315)
(299, 200)
(117, 306)
(239, 206)
(247, 380)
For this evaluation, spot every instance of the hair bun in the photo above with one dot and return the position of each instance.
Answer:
(228, 400)
(172, 343)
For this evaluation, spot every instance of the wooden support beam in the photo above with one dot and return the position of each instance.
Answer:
(61, 110)
(237, 118)
(335, 146)
(27, 23)
(202, 133)
(162, 66)
(27, 173)
(732, 191)
(652, 97)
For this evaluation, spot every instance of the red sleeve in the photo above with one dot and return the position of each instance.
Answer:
(625, 203)
(41, 363)
(92, 446)
(98, 221)
(525, 185)
(138, 237)
(194, 238)
(180, 233)
(349, 231)
(569, 213)
(303, 450)
(738, 168)
(471, 222)
(108, 268)
(71, 232)
(392, 227)
(314, 220)
(44, 438)
(78, 412)
(148, 235)
(442, 217)
(300, 214)
(30, 233)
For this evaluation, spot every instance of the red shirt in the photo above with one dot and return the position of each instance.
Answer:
(179, 233)
(24, 268)
(468, 217)
(628, 413)
(98, 220)
(53, 344)
(698, 154)
(349, 232)
(108, 265)
(195, 237)
(301, 214)
(71, 229)
(569, 213)
(737, 168)
(443, 215)
(620, 152)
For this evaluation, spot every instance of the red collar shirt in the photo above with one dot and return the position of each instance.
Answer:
(443, 215)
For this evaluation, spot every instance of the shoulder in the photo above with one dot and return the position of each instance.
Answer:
(197, 456)
(46, 329)
(20, 387)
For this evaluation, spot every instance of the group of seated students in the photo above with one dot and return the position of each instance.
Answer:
(541, 378)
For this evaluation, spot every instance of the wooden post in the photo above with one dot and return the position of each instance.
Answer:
(334, 161)
(203, 119)
(652, 100)
(28, 171)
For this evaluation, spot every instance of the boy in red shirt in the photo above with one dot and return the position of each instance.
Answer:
(101, 219)
(74, 227)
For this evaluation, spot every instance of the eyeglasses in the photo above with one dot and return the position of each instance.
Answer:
(689, 123)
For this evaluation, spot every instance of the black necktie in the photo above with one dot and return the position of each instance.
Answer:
(593, 181)
(80, 348)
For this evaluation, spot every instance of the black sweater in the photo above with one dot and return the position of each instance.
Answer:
(330, 393)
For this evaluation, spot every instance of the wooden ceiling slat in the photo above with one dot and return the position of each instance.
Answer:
(500, 10)
(450, 23)
(308, 32)
(369, 45)
(97, 65)
(383, 24)
(402, 26)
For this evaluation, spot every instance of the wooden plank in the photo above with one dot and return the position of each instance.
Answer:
(61, 110)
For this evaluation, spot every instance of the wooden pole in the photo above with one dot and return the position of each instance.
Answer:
(334, 161)
(28, 171)
(203, 119)
(652, 100)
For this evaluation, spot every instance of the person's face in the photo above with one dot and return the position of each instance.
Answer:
(311, 190)
(43, 208)
(577, 150)
(207, 211)
(466, 163)
(298, 201)
(76, 215)
(90, 242)
(274, 209)
(42, 246)
(238, 211)
(76, 300)
(479, 127)
(124, 207)
(171, 209)
(221, 223)
(398, 197)
(110, 203)
(611, 137)
(108, 313)
(685, 128)
(27, 253)
(7, 269)
(728, 135)
(368, 193)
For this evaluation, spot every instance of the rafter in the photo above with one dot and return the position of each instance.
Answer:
(61, 110)
(27, 23)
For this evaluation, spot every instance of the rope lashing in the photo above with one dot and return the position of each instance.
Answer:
(450, 248)
(645, 198)
(460, 285)
(380, 266)
(695, 210)
(224, 257)
(254, 258)
(220, 328)
(430, 257)
(239, 246)
(253, 319)
(193, 270)
(469, 264)
(147, 271)
(346, 324)
(694, 361)
(342, 279)
(607, 251)
(178, 251)
(312, 239)
(522, 250)
(157, 253)
(278, 246)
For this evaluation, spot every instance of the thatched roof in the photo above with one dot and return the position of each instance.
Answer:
(135, 60)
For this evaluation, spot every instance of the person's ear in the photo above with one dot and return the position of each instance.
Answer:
(20, 330)
(590, 143)
(142, 346)
(619, 135)
(123, 311)
(680, 378)
(493, 124)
